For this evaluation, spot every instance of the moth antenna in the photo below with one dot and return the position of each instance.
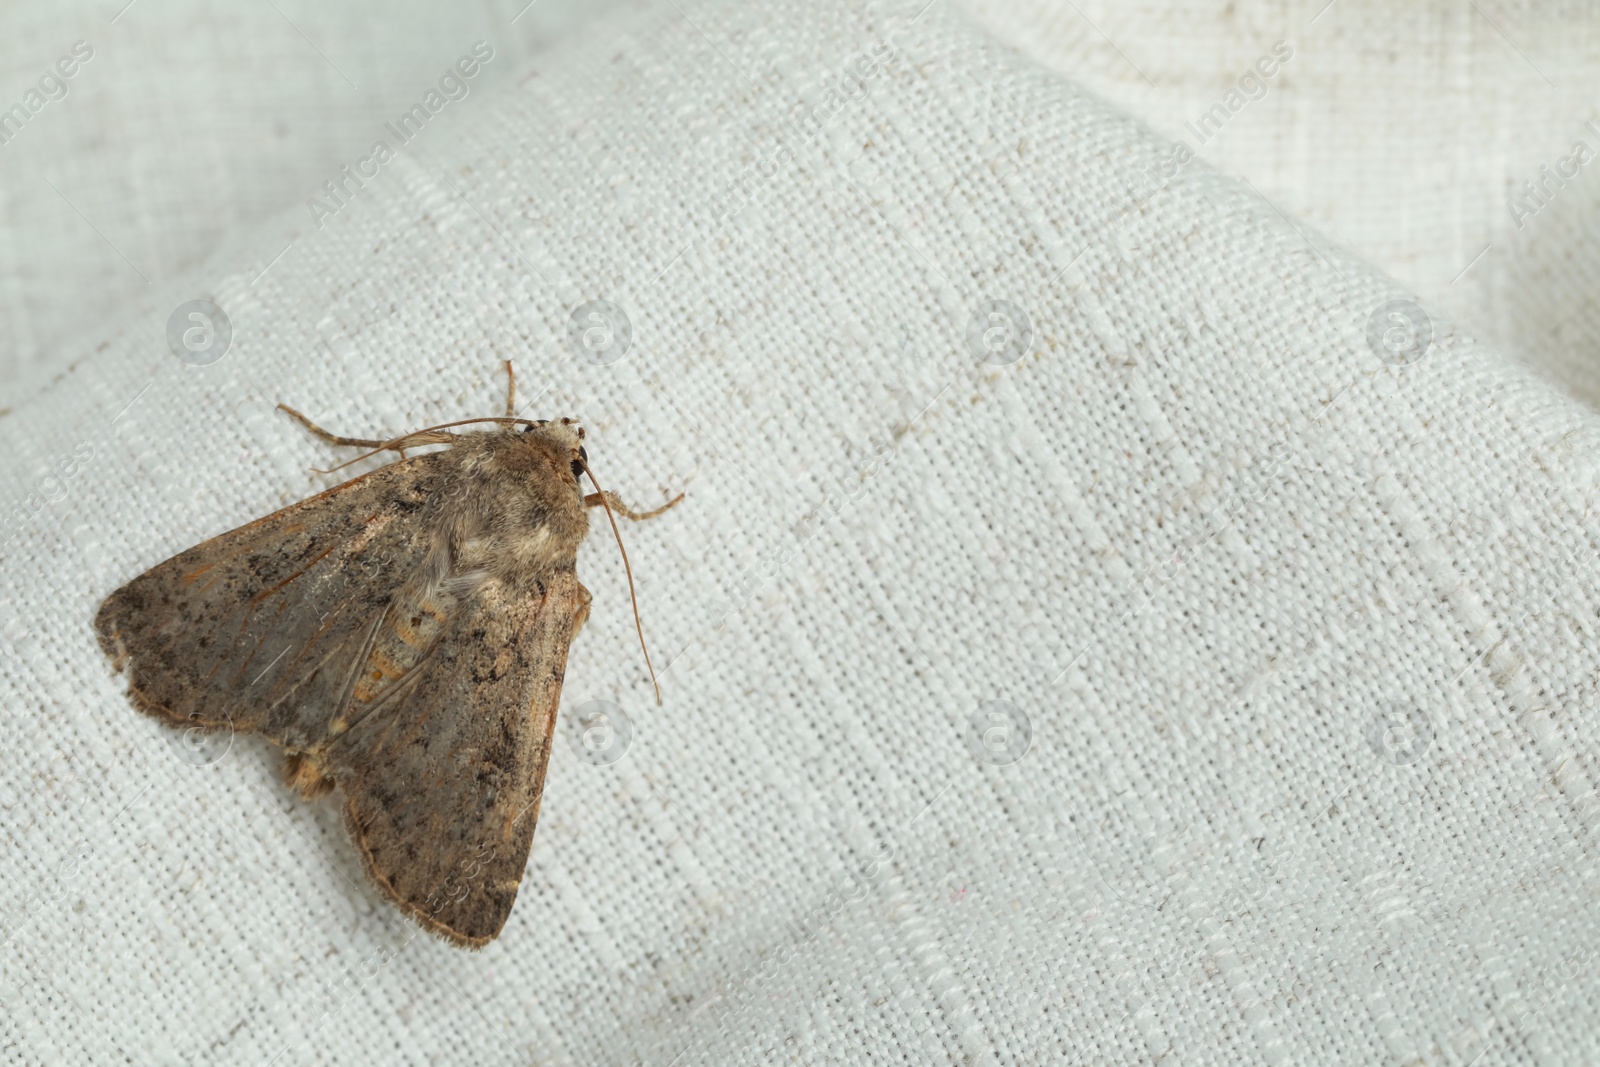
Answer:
(637, 625)
(391, 444)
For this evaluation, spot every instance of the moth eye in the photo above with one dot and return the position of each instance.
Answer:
(577, 467)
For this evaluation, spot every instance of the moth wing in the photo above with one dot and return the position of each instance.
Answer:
(263, 628)
(443, 781)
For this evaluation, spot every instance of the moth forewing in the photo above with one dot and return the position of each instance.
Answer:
(403, 637)
(453, 854)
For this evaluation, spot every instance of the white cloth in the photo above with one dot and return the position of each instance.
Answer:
(188, 126)
(1304, 638)
(1405, 132)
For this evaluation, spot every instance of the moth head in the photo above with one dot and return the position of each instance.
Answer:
(565, 436)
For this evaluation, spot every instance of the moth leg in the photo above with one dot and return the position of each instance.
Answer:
(594, 500)
(511, 390)
(580, 616)
(331, 438)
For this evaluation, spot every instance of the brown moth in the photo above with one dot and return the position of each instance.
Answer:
(403, 638)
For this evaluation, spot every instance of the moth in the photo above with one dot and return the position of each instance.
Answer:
(403, 638)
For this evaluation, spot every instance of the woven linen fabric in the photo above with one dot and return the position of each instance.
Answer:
(1409, 133)
(1106, 624)
(188, 124)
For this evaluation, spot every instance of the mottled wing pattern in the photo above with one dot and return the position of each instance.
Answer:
(265, 627)
(442, 782)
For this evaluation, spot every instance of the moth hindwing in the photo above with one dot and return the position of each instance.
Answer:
(403, 637)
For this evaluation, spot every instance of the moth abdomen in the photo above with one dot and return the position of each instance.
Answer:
(302, 772)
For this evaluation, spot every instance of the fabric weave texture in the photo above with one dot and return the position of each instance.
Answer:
(1107, 623)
